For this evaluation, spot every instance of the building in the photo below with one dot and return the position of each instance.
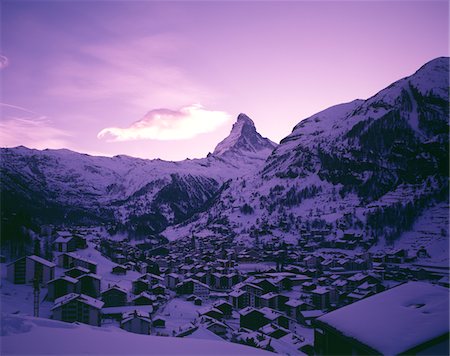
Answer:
(61, 286)
(114, 296)
(90, 284)
(25, 269)
(70, 260)
(65, 244)
(253, 319)
(75, 307)
(412, 318)
(137, 322)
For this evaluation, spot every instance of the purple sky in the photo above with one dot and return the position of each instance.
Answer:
(167, 79)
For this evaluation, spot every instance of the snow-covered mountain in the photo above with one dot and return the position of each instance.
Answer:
(244, 140)
(143, 195)
(369, 165)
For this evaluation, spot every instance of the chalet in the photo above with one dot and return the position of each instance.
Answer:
(119, 270)
(75, 307)
(144, 298)
(412, 318)
(253, 294)
(76, 272)
(90, 284)
(238, 299)
(266, 285)
(365, 290)
(69, 260)
(360, 278)
(65, 244)
(294, 307)
(139, 285)
(215, 326)
(61, 286)
(211, 312)
(114, 296)
(251, 318)
(275, 317)
(274, 301)
(158, 289)
(159, 322)
(225, 307)
(171, 280)
(136, 322)
(192, 286)
(323, 297)
(25, 269)
(198, 301)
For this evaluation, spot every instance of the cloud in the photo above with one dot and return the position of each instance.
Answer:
(4, 62)
(20, 126)
(165, 124)
(138, 73)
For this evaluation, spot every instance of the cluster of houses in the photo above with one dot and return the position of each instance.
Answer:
(251, 307)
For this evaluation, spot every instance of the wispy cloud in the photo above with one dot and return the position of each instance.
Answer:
(20, 126)
(165, 124)
(139, 73)
(4, 62)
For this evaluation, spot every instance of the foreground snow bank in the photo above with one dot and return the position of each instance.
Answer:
(34, 336)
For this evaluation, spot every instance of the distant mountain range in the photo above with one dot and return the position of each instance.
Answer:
(370, 165)
(142, 196)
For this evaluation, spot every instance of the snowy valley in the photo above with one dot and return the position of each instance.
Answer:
(289, 248)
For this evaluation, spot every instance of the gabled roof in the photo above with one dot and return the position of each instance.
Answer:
(64, 278)
(77, 257)
(41, 261)
(63, 239)
(82, 298)
(128, 316)
(116, 287)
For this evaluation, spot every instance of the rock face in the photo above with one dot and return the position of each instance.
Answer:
(244, 140)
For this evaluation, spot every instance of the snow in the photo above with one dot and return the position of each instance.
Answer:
(31, 336)
(95, 303)
(396, 320)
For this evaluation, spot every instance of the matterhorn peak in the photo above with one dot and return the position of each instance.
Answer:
(243, 139)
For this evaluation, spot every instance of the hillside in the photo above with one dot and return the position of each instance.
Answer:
(369, 165)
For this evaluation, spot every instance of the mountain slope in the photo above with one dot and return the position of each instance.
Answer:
(369, 165)
(56, 186)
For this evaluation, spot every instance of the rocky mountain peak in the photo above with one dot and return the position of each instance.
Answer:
(243, 139)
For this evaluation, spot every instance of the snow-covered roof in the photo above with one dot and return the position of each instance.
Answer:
(320, 290)
(41, 260)
(64, 278)
(248, 310)
(128, 316)
(95, 303)
(236, 293)
(64, 239)
(295, 303)
(145, 295)
(396, 320)
(270, 313)
(269, 295)
(116, 287)
(78, 257)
